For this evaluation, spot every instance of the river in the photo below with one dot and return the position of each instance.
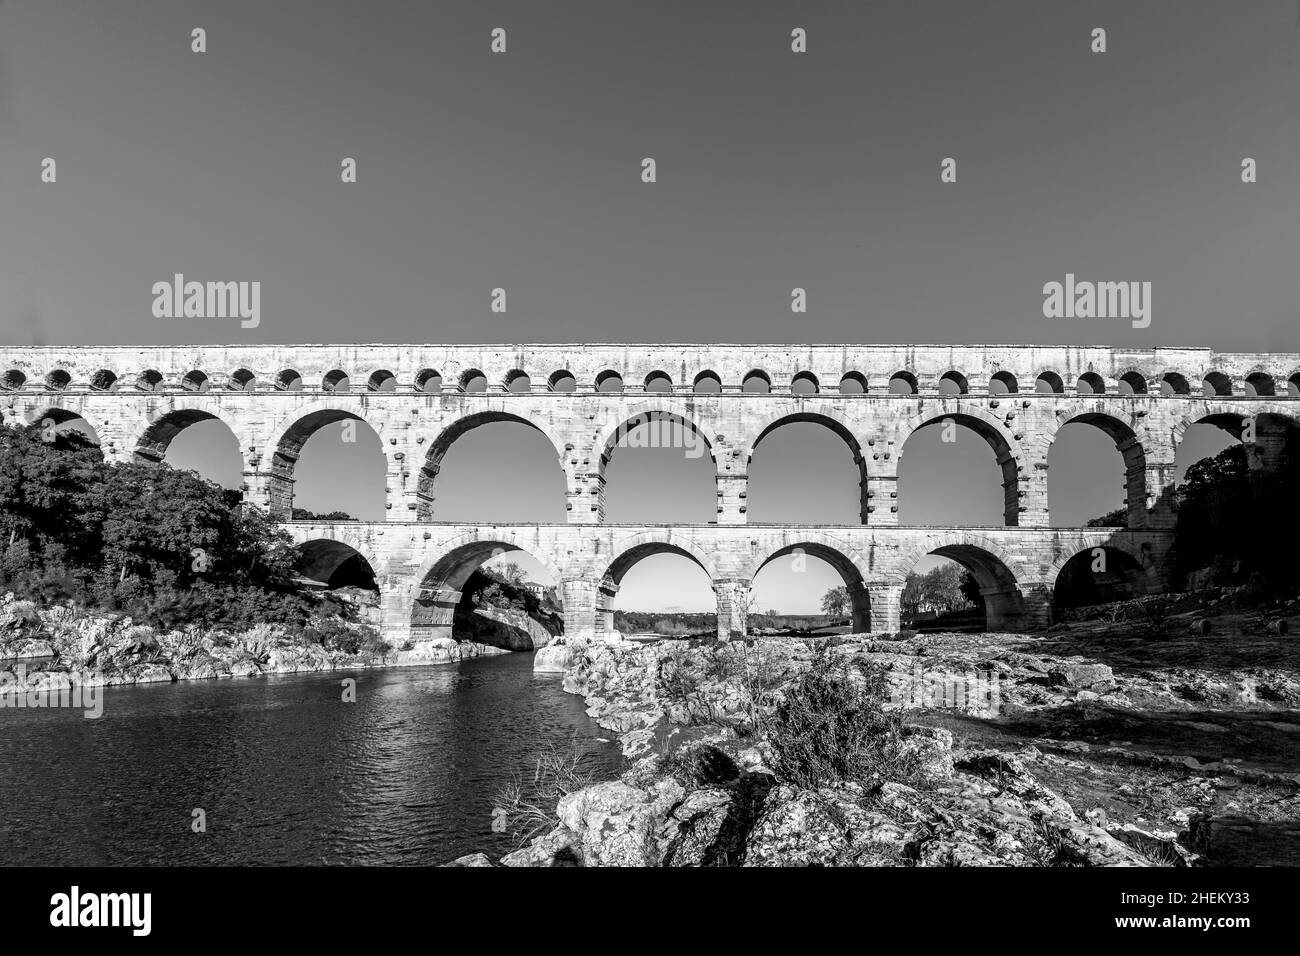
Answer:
(284, 771)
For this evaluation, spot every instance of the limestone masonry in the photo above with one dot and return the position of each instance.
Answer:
(583, 398)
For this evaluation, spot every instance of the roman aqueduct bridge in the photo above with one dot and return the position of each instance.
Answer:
(420, 398)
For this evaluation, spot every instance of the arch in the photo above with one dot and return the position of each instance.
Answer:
(562, 380)
(472, 380)
(1293, 386)
(381, 380)
(288, 380)
(1003, 383)
(1090, 383)
(850, 565)
(333, 562)
(646, 413)
(805, 383)
(290, 437)
(1127, 443)
(1006, 449)
(903, 383)
(242, 380)
(1134, 381)
(958, 384)
(428, 380)
(103, 380)
(756, 382)
(829, 420)
(707, 383)
(853, 383)
(442, 579)
(1262, 383)
(1174, 383)
(1216, 384)
(609, 381)
(1049, 383)
(336, 380)
(153, 443)
(443, 441)
(517, 380)
(1007, 606)
(195, 381)
(58, 380)
(14, 380)
(61, 416)
(1098, 574)
(658, 381)
(150, 380)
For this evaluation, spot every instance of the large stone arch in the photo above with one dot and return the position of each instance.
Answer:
(438, 583)
(1146, 579)
(1012, 599)
(625, 553)
(851, 566)
(1131, 442)
(455, 428)
(289, 436)
(165, 424)
(1276, 423)
(829, 419)
(321, 557)
(658, 413)
(1005, 443)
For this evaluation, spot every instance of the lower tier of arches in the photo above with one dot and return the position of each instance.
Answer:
(1022, 574)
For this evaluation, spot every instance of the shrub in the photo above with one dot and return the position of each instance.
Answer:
(833, 728)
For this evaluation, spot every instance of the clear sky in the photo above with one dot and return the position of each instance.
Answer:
(522, 170)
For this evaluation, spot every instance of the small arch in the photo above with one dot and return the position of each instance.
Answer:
(58, 380)
(805, 383)
(562, 380)
(609, 381)
(1132, 383)
(472, 380)
(756, 382)
(517, 381)
(195, 381)
(902, 383)
(853, 383)
(242, 380)
(659, 382)
(707, 383)
(336, 380)
(1090, 383)
(332, 564)
(1003, 383)
(381, 380)
(14, 380)
(150, 380)
(1293, 386)
(1174, 383)
(1216, 384)
(1049, 383)
(103, 380)
(953, 383)
(288, 380)
(428, 381)
(1260, 385)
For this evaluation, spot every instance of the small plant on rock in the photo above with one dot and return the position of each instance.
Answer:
(832, 728)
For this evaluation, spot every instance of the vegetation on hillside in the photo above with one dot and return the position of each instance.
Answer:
(167, 547)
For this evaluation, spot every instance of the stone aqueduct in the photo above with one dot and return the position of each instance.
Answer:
(419, 399)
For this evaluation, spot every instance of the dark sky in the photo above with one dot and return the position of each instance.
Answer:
(775, 170)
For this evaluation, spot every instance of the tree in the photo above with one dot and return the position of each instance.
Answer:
(835, 602)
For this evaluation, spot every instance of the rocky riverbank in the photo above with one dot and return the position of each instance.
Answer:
(41, 646)
(1096, 743)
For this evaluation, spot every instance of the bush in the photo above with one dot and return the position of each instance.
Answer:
(832, 728)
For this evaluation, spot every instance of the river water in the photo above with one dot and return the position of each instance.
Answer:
(284, 770)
